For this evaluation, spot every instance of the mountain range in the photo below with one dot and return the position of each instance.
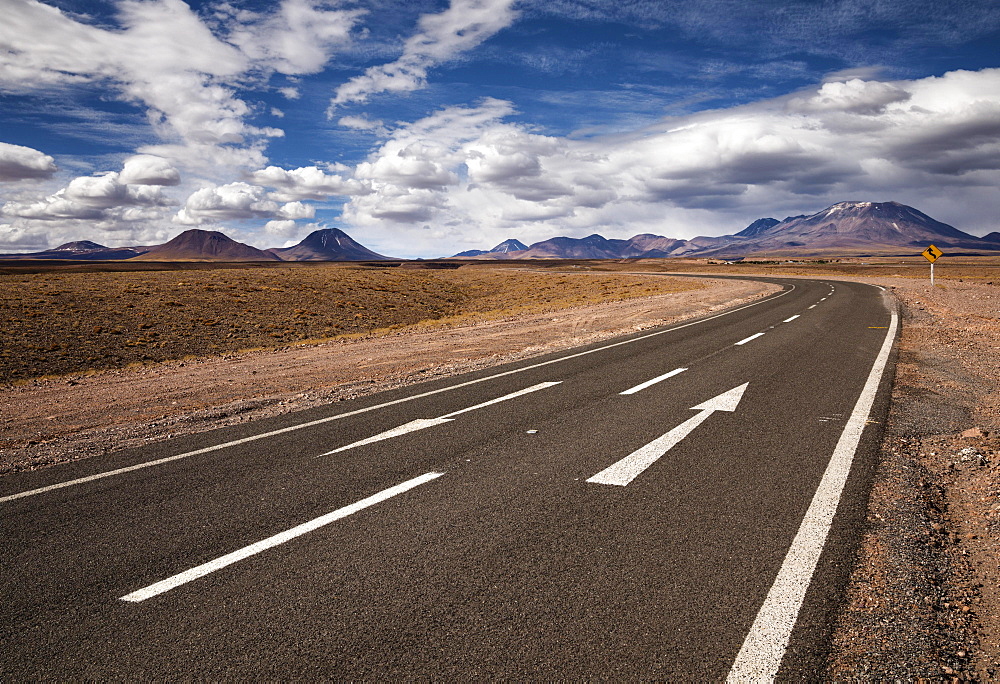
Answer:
(844, 229)
(327, 244)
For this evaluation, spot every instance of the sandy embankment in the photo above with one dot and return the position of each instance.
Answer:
(52, 421)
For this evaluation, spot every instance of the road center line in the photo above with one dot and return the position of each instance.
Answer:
(348, 414)
(789, 320)
(280, 538)
(812, 307)
(764, 647)
(512, 395)
(423, 423)
(752, 337)
(650, 383)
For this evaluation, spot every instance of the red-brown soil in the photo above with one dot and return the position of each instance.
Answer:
(57, 323)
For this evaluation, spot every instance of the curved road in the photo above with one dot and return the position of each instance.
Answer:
(659, 506)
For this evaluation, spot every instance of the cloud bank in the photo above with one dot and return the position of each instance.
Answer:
(465, 172)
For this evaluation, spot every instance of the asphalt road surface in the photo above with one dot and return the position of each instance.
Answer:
(658, 506)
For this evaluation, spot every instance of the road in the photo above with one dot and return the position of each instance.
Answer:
(658, 506)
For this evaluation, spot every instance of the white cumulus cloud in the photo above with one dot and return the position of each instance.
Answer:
(307, 182)
(93, 197)
(147, 169)
(298, 38)
(181, 69)
(235, 201)
(24, 163)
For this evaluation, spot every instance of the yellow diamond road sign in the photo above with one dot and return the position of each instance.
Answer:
(932, 253)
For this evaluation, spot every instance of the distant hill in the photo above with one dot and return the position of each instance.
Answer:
(844, 229)
(82, 250)
(508, 246)
(327, 244)
(650, 246)
(591, 247)
(505, 247)
(205, 245)
(79, 246)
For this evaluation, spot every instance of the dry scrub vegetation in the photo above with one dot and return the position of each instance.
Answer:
(60, 323)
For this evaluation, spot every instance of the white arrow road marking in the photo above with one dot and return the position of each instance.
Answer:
(650, 383)
(749, 339)
(630, 467)
(280, 538)
(421, 423)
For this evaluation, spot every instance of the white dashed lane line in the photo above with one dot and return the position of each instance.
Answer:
(276, 540)
(749, 339)
(650, 383)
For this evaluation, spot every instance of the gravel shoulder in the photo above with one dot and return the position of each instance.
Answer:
(49, 421)
(923, 601)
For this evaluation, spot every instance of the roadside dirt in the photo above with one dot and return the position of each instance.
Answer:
(48, 421)
(924, 599)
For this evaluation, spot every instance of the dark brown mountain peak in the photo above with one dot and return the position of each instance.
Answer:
(327, 244)
(205, 245)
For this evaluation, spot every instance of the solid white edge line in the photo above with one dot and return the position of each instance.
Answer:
(752, 337)
(348, 414)
(650, 383)
(280, 538)
(789, 320)
(764, 648)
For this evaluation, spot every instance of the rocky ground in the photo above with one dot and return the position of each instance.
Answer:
(924, 598)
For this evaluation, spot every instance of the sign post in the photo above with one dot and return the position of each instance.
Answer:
(931, 254)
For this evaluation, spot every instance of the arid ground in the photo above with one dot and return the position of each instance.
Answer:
(99, 360)
(56, 322)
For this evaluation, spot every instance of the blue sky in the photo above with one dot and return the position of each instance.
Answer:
(428, 128)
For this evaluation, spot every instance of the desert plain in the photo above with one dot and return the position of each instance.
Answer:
(99, 357)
